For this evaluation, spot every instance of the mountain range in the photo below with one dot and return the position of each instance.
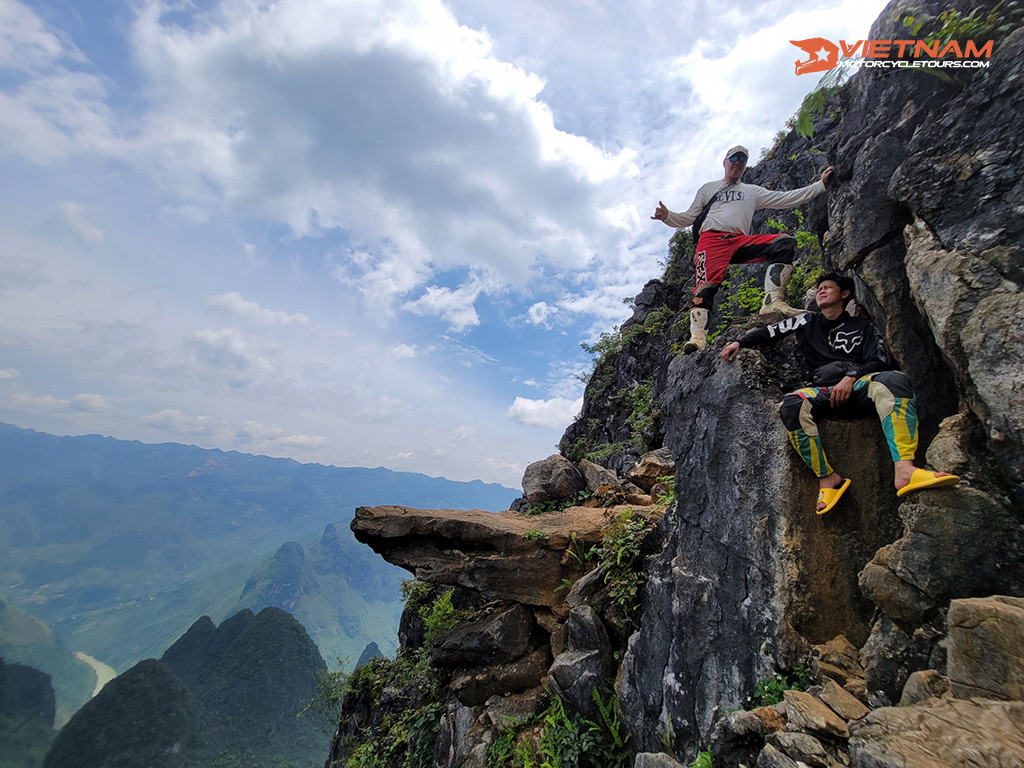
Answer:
(119, 546)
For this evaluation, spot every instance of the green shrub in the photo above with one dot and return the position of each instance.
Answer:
(557, 738)
(770, 690)
(619, 553)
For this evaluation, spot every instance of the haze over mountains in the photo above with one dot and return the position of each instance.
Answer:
(120, 546)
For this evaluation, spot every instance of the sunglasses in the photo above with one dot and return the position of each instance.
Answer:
(737, 158)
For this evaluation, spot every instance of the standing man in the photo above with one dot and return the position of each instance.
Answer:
(852, 377)
(727, 207)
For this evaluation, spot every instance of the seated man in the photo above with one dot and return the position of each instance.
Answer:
(851, 376)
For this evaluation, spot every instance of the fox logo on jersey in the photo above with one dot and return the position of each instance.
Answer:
(846, 341)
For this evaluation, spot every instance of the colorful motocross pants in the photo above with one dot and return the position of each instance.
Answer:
(888, 394)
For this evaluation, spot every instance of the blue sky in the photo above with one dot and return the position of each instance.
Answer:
(354, 232)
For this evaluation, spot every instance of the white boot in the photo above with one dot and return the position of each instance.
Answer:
(698, 331)
(775, 280)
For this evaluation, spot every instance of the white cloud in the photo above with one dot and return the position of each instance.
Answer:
(541, 313)
(233, 303)
(229, 354)
(398, 169)
(6, 374)
(173, 420)
(554, 413)
(74, 217)
(456, 307)
(304, 442)
(403, 351)
(78, 404)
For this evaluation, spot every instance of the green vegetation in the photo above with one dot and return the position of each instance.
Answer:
(403, 736)
(739, 299)
(811, 108)
(26, 716)
(619, 553)
(535, 535)
(441, 616)
(556, 738)
(809, 263)
(404, 730)
(978, 25)
(769, 691)
(611, 344)
(669, 481)
(703, 760)
(557, 505)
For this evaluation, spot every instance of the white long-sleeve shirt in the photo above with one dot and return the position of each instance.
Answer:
(734, 209)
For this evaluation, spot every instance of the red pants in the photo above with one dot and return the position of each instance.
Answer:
(717, 250)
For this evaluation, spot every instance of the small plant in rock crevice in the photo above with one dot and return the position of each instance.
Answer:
(747, 296)
(559, 738)
(769, 691)
(619, 553)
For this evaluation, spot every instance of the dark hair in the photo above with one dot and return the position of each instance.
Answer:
(844, 283)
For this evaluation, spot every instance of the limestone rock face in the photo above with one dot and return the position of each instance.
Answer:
(743, 574)
(587, 661)
(956, 543)
(986, 733)
(986, 648)
(496, 639)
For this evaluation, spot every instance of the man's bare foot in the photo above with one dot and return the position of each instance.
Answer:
(904, 473)
(829, 482)
(910, 478)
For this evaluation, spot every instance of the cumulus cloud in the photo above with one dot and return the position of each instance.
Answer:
(233, 303)
(403, 129)
(79, 404)
(541, 313)
(554, 413)
(456, 307)
(173, 420)
(228, 354)
(403, 351)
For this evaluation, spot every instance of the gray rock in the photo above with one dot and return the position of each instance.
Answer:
(552, 479)
(946, 733)
(986, 648)
(890, 655)
(957, 542)
(496, 639)
(476, 686)
(586, 662)
(597, 476)
(801, 747)
(655, 760)
(923, 685)
(742, 569)
(770, 757)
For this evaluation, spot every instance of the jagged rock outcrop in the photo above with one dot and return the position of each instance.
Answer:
(486, 553)
(743, 582)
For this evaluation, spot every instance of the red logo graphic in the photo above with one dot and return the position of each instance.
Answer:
(823, 55)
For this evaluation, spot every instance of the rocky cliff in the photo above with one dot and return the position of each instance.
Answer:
(734, 586)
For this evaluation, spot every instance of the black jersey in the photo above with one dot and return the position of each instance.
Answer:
(846, 346)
